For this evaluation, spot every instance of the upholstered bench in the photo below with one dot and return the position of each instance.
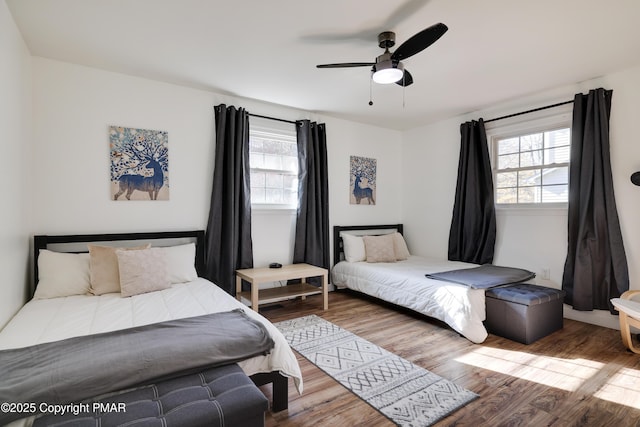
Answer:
(222, 396)
(523, 312)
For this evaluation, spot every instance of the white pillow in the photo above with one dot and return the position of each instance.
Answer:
(400, 247)
(379, 248)
(353, 247)
(180, 263)
(62, 274)
(142, 271)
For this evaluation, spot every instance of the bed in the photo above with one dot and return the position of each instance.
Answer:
(61, 309)
(403, 282)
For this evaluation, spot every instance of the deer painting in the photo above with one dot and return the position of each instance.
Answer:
(362, 192)
(145, 158)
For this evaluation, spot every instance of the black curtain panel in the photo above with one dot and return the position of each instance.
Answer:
(472, 235)
(596, 266)
(312, 225)
(228, 237)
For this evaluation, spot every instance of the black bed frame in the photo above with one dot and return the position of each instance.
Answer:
(338, 246)
(76, 243)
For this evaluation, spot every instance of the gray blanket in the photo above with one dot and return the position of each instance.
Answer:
(74, 369)
(484, 277)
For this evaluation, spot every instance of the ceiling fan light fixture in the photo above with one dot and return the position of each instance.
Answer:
(386, 72)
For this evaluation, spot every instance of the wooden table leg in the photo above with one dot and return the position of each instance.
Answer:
(254, 296)
(238, 287)
(325, 290)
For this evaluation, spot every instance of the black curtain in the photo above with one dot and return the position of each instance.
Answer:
(228, 237)
(472, 235)
(596, 267)
(312, 225)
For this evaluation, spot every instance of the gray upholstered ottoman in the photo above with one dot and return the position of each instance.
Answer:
(222, 397)
(523, 312)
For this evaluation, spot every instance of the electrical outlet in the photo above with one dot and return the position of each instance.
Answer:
(545, 274)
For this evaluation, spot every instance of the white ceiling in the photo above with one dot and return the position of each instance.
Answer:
(495, 50)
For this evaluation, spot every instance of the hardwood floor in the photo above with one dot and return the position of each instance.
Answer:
(579, 376)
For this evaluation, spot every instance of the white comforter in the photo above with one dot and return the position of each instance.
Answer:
(47, 320)
(404, 283)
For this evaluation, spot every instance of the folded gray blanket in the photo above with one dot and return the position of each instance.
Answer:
(74, 369)
(484, 277)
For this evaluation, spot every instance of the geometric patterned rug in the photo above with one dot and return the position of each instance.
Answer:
(407, 394)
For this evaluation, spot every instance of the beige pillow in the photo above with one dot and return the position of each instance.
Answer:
(142, 271)
(379, 248)
(400, 247)
(105, 277)
(353, 247)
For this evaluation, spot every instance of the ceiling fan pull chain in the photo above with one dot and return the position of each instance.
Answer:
(404, 87)
(370, 92)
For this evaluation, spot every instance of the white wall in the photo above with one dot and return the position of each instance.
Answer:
(73, 107)
(15, 164)
(525, 238)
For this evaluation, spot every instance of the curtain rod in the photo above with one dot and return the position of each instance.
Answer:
(529, 111)
(272, 118)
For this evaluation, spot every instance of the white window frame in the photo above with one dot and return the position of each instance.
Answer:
(545, 120)
(277, 131)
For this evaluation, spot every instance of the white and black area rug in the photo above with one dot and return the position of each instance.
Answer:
(407, 394)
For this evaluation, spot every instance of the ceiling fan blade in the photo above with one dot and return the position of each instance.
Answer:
(406, 79)
(419, 42)
(347, 65)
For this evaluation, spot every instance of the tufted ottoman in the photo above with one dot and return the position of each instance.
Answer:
(523, 312)
(222, 396)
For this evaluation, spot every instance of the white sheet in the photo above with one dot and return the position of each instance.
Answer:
(47, 320)
(403, 283)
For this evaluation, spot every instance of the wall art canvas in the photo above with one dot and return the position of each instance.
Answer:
(363, 181)
(139, 164)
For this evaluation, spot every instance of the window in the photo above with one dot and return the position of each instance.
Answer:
(273, 159)
(532, 166)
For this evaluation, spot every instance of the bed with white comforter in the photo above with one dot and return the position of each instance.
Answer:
(65, 307)
(375, 260)
(47, 320)
(404, 283)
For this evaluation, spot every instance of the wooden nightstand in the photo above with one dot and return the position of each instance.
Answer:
(255, 276)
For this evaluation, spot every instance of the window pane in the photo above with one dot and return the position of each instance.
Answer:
(274, 196)
(257, 195)
(556, 155)
(508, 161)
(557, 138)
(531, 142)
(553, 176)
(274, 180)
(531, 158)
(290, 164)
(555, 194)
(258, 179)
(528, 178)
(508, 146)
(506, 179)
(256, 160)
(506, 195)
(529, 195)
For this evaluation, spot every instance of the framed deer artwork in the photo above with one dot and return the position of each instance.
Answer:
(362, 187)
(139, 164)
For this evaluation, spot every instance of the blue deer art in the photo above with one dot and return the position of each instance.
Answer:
(150, 184)
(362, 193)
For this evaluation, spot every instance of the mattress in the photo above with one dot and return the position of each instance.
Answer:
(46, 320)
(404, 283)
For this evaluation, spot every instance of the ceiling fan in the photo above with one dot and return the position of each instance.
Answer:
(388, 67)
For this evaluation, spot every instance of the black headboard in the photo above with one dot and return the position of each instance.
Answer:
(76, 243)
(357, 229)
